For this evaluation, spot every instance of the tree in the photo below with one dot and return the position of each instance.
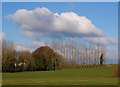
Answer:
(45, 58)
(8, 56)
(25, 58)
(101, 59)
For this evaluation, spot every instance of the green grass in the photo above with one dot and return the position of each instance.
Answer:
(82, 76)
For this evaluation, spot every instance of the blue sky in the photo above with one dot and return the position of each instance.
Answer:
(103, 15)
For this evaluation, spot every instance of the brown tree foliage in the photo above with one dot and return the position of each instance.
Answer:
(46, 59)
(8, 56)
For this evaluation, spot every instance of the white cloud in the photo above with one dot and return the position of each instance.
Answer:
(102, 40)
(45, 23)
(20, 47)
(112, 54)
(31, 47)
(38, 43)
(2, 35)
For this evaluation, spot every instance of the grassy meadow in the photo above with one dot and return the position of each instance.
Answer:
(81, 76)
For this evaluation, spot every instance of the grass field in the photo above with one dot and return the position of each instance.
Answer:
(82, 76)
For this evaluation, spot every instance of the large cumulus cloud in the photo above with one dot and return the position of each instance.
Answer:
(41, 22)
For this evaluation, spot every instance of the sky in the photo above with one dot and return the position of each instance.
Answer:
(30, 24)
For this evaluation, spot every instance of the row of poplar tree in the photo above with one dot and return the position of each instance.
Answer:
(79, 52)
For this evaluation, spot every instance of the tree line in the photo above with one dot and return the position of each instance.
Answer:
(79, 52)
(54, 55)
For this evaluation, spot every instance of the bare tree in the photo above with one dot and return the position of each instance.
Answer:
(8, 56)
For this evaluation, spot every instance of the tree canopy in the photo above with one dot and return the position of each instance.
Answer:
(46, 59)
